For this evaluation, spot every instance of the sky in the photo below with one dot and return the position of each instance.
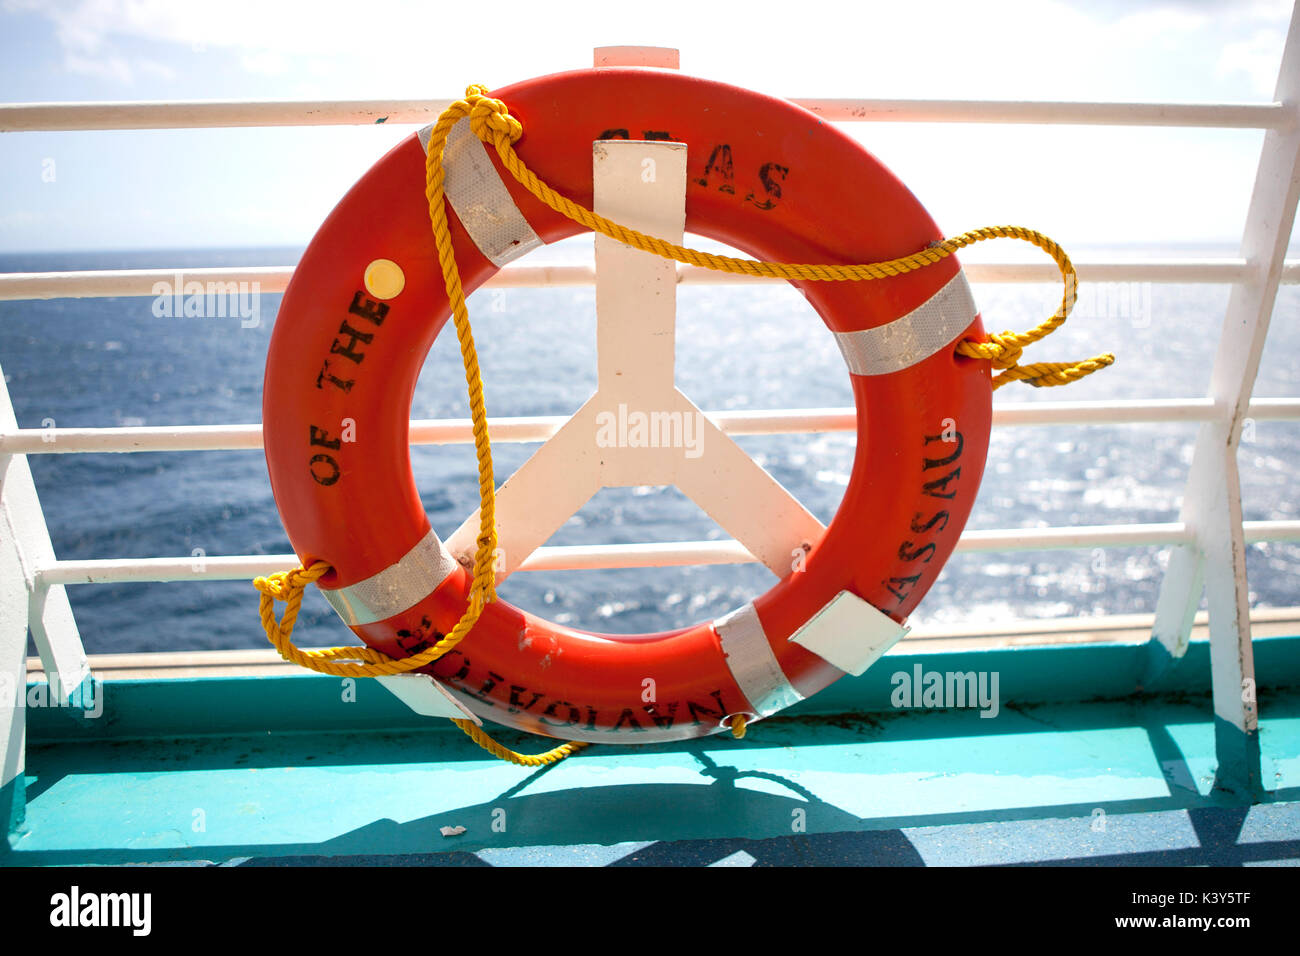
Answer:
(260, 187)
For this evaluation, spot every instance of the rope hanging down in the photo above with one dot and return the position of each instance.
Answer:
(288, 586)
(492, 123)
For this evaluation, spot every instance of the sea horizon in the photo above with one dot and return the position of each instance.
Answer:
(105, 362)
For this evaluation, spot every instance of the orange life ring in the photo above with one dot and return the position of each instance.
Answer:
(763, 175)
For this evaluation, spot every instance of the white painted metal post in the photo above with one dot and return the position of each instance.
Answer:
(636, 309)
(26, 540)
(1212, 501)
(13, 673)
(25, 601)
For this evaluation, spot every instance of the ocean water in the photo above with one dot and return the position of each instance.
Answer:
(104, 362)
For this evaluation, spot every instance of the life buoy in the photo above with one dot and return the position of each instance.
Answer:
(763, 175)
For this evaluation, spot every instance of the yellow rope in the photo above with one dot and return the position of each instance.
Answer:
(492, 123)
(288, 586)
(477, 735)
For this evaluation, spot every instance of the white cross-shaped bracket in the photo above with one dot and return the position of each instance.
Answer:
(638, 428)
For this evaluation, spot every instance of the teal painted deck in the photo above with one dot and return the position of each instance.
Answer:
(260, 770)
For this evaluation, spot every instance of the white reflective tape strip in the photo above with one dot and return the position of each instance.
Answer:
(396, 588)
(752, 663)
(849, 633)
(425, 696)
(481, 200)
(914, 337)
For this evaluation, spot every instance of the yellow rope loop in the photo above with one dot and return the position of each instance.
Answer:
(1004, 349)
(357, 661)
(476, 734)
(371, 662)
(738, 726)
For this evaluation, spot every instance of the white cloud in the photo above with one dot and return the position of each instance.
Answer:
(265, 62)
(1012, 48)
(1167, 26)
(109, 68)
(85, 29)
(1256, 57)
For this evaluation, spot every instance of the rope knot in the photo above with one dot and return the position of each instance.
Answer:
(275, 586)
(737, 725)
(283, 585)
(489, 118)
(1008, 349)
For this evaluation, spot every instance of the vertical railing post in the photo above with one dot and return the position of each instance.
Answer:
(26, 604)
(1212, 499)
(13, 669)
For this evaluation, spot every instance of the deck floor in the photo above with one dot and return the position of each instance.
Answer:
(1108, 783)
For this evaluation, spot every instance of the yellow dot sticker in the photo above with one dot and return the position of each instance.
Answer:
(385, 279)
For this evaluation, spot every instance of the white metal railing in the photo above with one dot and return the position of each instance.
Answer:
(102, 283)
(672, 554)
(1209, 535)
(212, 114)
(105, 283)
(459, 431)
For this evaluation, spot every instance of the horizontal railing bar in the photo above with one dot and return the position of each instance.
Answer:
(459, 431)
(656, 555)
(215, 114)
(206, 114)
(1213, 115)
(58, 441)
(104, 283)
(155, 665)
(1108, 413)
(1046, 539)
(1185, 271)
(152, 570)
(1029, 626)
(109, 283)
